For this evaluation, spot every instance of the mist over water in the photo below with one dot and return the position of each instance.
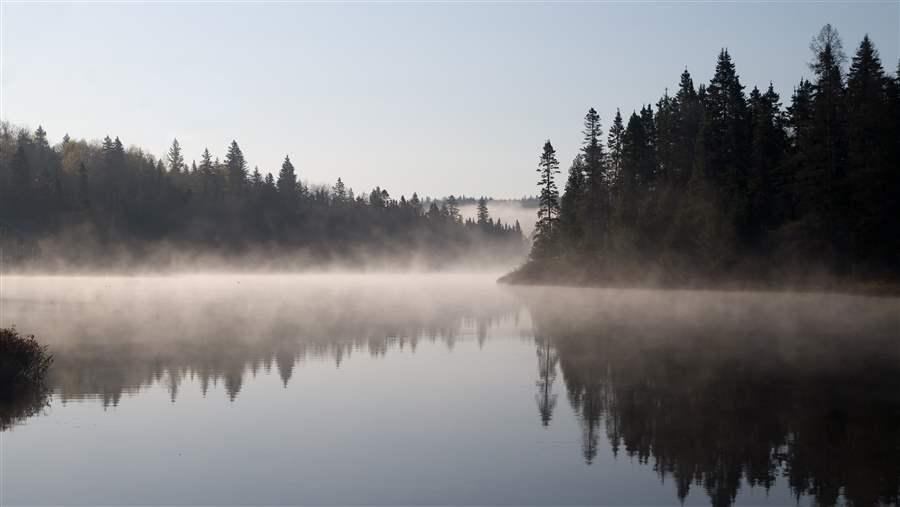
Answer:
(447, 388)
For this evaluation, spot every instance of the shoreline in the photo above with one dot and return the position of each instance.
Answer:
(830, 285)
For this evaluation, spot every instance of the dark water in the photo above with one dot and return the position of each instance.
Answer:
(448, 389)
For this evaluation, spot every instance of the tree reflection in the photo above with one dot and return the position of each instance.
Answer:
(546, 398)
(127, 339)
(15, 409)
(717, 398)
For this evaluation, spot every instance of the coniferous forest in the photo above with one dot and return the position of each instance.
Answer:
(101, 205)
(718, 184)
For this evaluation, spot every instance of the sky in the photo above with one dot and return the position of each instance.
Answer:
(438, 98)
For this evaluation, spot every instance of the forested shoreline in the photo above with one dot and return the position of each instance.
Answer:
(90, 205)
(715, 187)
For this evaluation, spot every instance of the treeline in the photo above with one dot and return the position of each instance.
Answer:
(715, 184)
(86, 203)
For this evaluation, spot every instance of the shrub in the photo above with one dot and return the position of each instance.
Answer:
(23, 364)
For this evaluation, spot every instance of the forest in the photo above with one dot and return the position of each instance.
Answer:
(101, 205)
(717, 185)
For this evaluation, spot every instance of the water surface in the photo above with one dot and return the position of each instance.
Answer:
(447, 389)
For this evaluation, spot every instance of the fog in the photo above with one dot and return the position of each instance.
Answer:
(508, 212)
(130, 318)
(81, 252)
(737, 392)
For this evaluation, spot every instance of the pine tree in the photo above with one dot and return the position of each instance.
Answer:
(339, 191)
(207, 172)
(415, 204)
(482, 213)
(175, 158)
(767, 153)
(256, 178)
(826, 170)
(666, 139)
(869, 152)
(40, 139)
(569, 223)
(287, 179)
(548, 210)
(595, 207)
(614, 144)
(686, 124)
(236, 168)
(793, 180)
(434, 213)
(649, 167)
(727, 125)
(631, 180)
(453, 209)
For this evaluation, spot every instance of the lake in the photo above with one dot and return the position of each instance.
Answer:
(450, 389)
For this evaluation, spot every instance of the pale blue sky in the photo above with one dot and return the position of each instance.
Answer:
(438, 98)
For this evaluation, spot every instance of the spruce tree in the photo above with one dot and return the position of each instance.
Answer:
(869, 153)
(482, 213)
(339, 191)
(548, 210)
(175, 158)
(826, 163)
(570, 226)
(614, 144)
(767, 153)
(415, 204)
(287, 179)
(595, 209)
(236, 168)
(256, 178)
(206, 171)
(630, 181)
(688, 116)
(727, 125)
(453, 209)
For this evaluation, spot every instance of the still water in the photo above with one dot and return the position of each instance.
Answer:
(449, 389)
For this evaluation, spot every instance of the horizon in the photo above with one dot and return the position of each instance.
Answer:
(361, 86)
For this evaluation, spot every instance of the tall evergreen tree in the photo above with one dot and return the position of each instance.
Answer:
(339, 191)
(595, 221)
(767, 153)
(825, 174)
(548, 210)
(870, 142)
(207, 173)
(614, 144)
(688, 116)
(236, 168)
(571, 228)
(175, 158)
(727, 139)
(482, 213)
(256, 178)
(453, 209)
(287, 179)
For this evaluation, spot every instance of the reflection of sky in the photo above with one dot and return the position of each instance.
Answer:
(437, 426)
